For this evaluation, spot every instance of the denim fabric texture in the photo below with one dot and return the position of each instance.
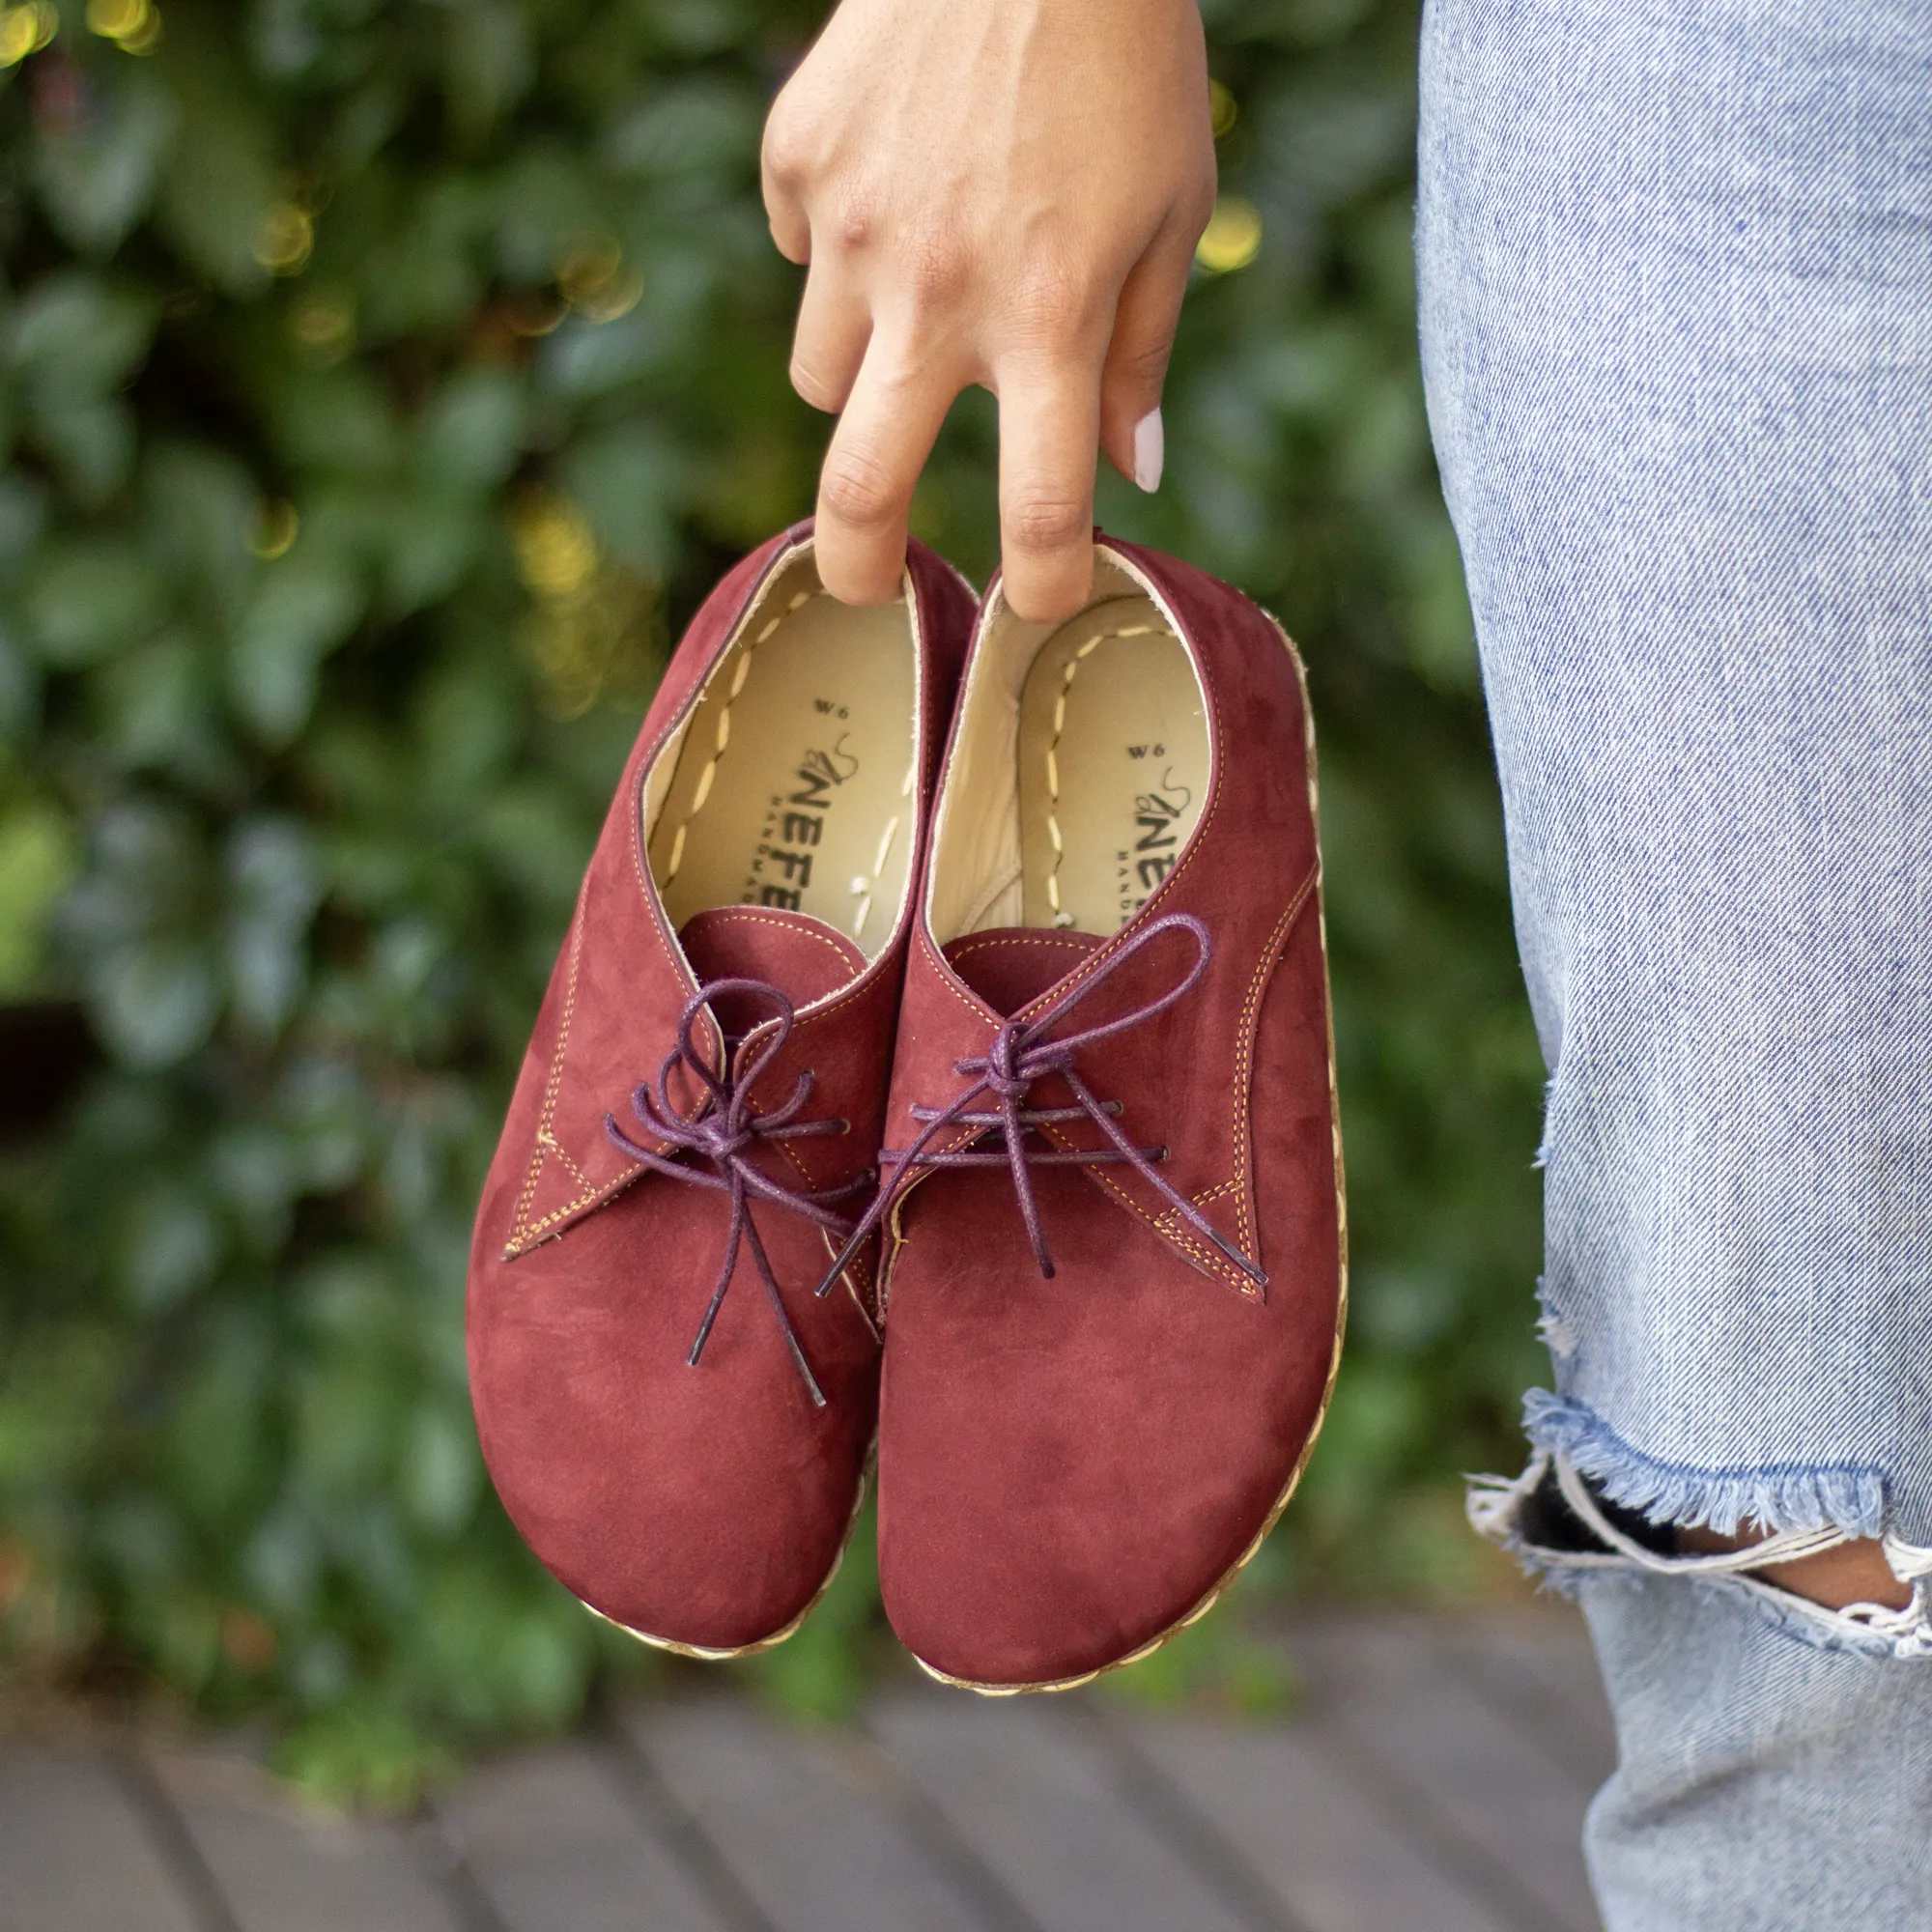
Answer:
(1676, 273)
(1762, 1786)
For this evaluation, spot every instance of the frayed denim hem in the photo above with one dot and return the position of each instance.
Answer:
(1589, 1546)
(1782, 1496)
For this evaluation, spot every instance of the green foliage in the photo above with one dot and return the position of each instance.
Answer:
(381, 383)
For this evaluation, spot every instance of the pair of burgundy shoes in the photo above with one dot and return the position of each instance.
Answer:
(977, 1106)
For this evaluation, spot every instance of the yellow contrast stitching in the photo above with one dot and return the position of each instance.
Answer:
(721, 735)
(1035, 936)
(751, 915)
(1073, 665)
(518, 1226)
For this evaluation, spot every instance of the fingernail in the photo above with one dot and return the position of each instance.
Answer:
(1149, 450)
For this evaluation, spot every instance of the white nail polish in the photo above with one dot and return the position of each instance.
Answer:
(1149, 450)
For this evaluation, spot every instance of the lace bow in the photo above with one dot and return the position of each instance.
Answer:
(723, 1129)
(1020, 1053)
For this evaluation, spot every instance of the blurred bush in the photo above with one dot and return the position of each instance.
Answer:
(382, 382)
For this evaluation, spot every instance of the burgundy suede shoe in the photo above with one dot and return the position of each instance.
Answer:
(1114, 1278)
(675, 1423)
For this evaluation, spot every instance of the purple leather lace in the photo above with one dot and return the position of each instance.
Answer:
(1019, 1054)
(723, 1129)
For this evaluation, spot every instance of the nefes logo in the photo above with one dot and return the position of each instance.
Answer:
(795, 824)
(1158, 817)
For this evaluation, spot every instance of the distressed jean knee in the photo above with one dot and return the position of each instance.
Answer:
(1561, 1527)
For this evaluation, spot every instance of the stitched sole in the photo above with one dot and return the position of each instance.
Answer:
(1221, 1583)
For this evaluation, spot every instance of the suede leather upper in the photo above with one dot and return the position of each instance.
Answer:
(702, 1506)
(1070, 1468)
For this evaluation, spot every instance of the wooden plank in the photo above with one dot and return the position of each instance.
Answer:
(1041, 1807)
(286, 1867)
(555, 1848)
(1481, 1789)
(1537, 1664)
(1334, 1858)
(811, 1822)
(75, 1855)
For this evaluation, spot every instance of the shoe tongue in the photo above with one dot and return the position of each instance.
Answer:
(1009, 965)
(802, 957)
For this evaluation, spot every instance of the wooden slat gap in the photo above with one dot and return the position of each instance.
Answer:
(1200, 1844)
(979, 1885)
(168, 1832)
(658, 1808)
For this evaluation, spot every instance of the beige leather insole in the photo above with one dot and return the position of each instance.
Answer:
(793, 786)
(1114, 757)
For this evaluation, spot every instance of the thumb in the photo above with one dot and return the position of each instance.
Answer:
(1145, 320)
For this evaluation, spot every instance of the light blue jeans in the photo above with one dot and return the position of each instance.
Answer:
(1676, 269)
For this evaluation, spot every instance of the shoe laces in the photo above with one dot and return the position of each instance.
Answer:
(723, 1129)
(993, 1107)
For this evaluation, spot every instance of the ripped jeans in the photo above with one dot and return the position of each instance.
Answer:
(1676, 280)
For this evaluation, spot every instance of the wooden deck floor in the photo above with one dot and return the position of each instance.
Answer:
(1435, 1782)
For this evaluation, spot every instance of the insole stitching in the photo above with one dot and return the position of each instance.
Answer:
(863, 884)
(1074, 664)
(723, 737)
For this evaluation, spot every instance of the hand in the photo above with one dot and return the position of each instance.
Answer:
(1004, 193)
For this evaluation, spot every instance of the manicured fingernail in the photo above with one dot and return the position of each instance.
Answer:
(1149, 450)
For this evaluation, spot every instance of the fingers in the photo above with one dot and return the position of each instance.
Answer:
(891, 420)
(834, 325)
(791, 231)
(1049, 425)
(1137, 356)
(783, 168)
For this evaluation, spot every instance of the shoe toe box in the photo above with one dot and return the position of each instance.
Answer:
(1070, 1468)
(702, 1506)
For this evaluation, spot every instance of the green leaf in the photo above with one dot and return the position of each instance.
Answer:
(473, 431)
(221, 181)
(19, 689)
(632, 479)
(586, 359)
(200, 508)
(57, 1390)
(90, 442)
(39, 857)
(77, 338)
(365, 1753)
(96, 176)
(169, 1245)
(334, 420)
(157, 706)
(274, 887)
(91, 599)
(489, 56)
(694, 129)
(441, 1474)
(23, 521)
(155, 1001)
(430, 544)
(302, 610)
